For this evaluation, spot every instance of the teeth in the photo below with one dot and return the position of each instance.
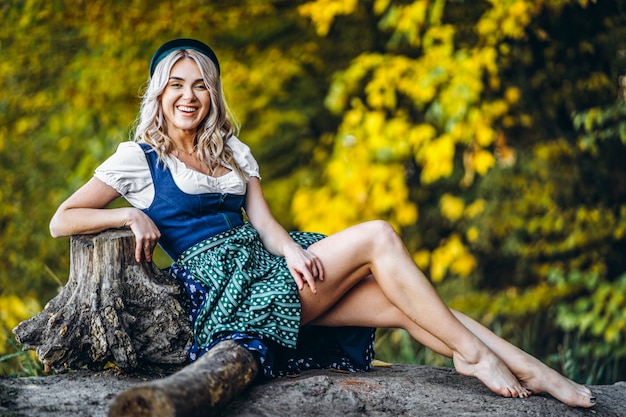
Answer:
(187, 109)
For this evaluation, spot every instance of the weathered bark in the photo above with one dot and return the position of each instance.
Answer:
(200, 389)
(112, 309)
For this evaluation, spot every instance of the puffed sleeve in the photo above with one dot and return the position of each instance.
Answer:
(243, 156)
(127, 171)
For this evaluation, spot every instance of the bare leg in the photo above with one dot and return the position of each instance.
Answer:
(535, 375)
(366, 305)
(374, 248)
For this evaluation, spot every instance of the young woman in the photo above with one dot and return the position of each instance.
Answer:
(299, 299)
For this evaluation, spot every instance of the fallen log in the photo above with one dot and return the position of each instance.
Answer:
(112, 309)
(200, 389)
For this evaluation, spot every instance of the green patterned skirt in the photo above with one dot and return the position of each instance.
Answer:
(244, 288)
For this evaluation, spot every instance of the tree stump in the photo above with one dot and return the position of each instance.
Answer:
(112, 309)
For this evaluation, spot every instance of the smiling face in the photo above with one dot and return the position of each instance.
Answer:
(186, 99)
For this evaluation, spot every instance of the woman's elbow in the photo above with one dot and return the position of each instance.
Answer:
(56, 226)
(55, 232)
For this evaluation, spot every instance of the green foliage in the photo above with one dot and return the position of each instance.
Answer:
(396, 345)
(601, 124)
(600, 313)
(579, 361)
(19, 363)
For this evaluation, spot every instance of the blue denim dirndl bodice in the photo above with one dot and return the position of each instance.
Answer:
(186, 219)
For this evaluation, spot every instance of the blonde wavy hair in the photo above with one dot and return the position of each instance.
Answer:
(213, 133)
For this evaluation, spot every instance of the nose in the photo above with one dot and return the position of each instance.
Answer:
(188, 93)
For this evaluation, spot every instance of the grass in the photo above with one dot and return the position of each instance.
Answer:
(19, 363)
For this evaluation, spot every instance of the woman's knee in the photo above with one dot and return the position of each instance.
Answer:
(384, 235)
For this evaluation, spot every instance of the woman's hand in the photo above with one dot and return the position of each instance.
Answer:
(305, 267)
(146, 234)
(84, 212)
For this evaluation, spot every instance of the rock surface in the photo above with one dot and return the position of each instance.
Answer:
(398, 390)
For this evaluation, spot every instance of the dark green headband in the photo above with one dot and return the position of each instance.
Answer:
(182, 44)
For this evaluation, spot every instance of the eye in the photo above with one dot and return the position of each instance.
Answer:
(200, 87)
(175, 84)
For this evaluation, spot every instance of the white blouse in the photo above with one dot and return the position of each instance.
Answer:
(127, 171)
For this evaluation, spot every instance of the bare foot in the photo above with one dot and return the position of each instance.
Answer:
(487, 367)
(545, 379)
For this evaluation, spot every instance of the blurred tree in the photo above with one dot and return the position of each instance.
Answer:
(71, 78)
(495, 124)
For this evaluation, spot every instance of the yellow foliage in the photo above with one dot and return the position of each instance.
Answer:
(378, 96)
(512, 95)
(475, 208)
(323, 12)
(483, 161)
(595, 81)
(422, 259)
(380, 6)
(410, 19)
(507, 19)
(452, 207)
(437, 158)
(14, 310)
(472, 234)
(357, 187)
(484, 134)
(406, 213)
(463, 265)
(453, 256)
(460, 77)
(421, 135)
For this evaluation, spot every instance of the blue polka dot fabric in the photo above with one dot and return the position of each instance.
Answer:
(239, 291)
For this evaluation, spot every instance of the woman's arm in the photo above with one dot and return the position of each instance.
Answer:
(305, 266)
(84, 212)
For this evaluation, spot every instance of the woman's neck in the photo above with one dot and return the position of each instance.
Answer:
(185, 143)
